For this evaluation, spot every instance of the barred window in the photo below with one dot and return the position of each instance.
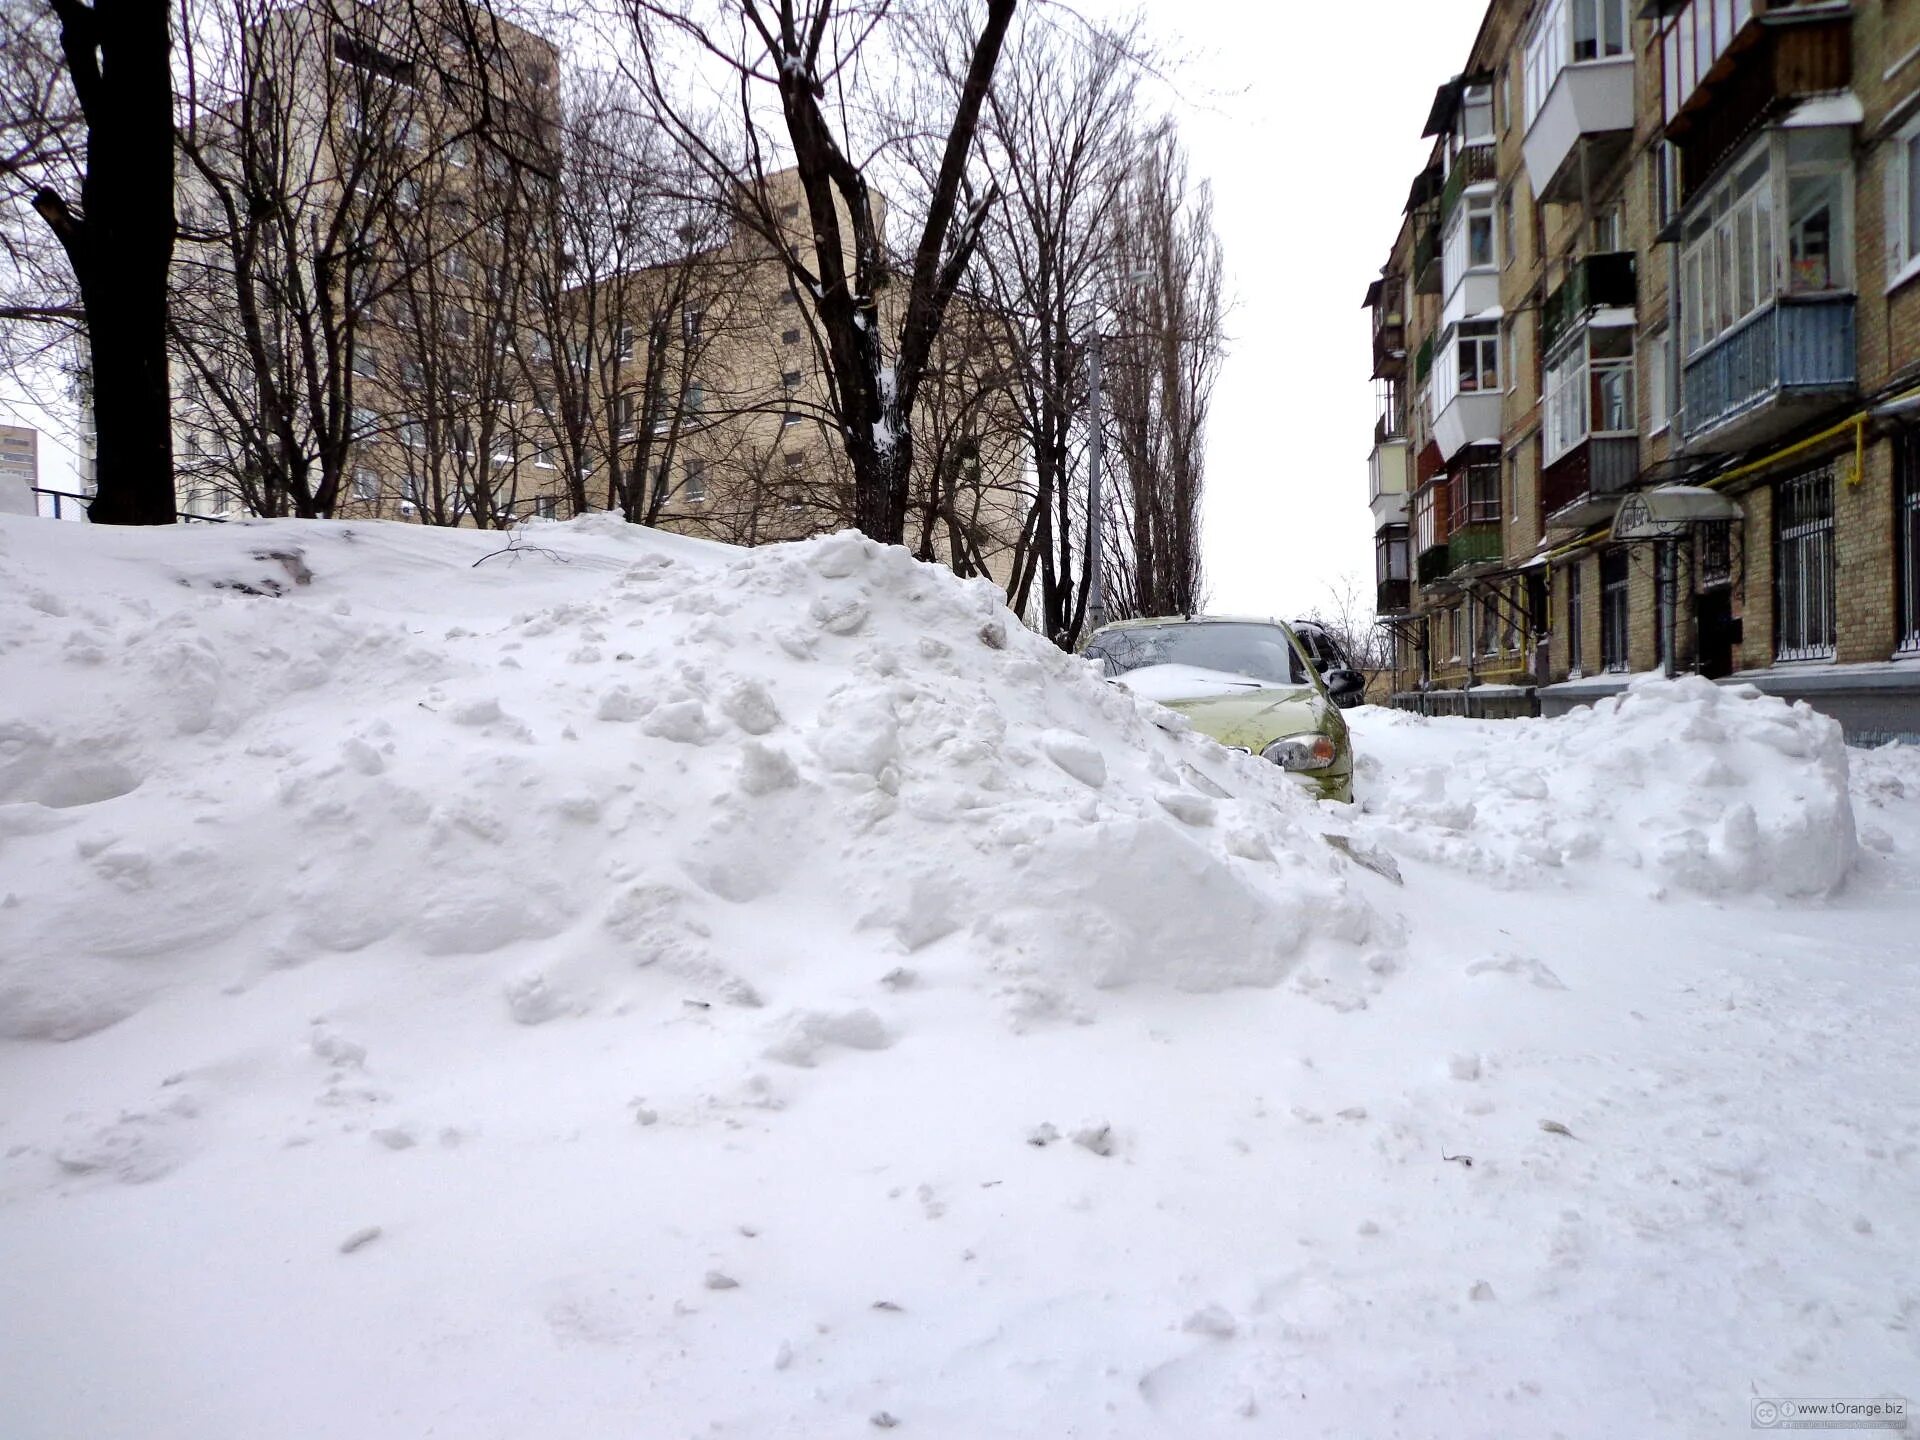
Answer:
(1906, 500)
(1803, 605)
(1613, 610)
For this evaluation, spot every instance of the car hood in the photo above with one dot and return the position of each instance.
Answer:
(1234, 709)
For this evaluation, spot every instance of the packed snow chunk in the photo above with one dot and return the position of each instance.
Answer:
(1714, 789)
(802, 1037)
(1079, 757)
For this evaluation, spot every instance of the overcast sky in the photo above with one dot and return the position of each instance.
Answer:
(1307, 118)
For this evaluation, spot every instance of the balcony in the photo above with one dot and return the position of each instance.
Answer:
(1596, 282)
(1584, 126)
(1477, 543)
(1426, 260)
(1387, 490)
(1472, 166)
(1771, 372)
(1727, 69)
(1433, 563)
(1470, 417)
(1392, 597)
(1389, 350)
(1423, 361)
(1584, 486)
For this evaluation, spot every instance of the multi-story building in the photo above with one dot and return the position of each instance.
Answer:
(1658, 287)
(20, 455)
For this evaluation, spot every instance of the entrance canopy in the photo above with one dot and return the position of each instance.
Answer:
(1666, 512)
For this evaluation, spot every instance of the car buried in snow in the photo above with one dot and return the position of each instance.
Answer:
(1249, 684)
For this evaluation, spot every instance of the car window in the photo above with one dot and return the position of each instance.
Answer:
(1235, 647)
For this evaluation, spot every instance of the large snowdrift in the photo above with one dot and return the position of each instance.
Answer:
(631, 986)
(1712, 788)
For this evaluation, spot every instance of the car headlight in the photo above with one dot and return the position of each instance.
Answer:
(1301, 752)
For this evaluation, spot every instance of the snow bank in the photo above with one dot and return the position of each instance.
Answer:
(1713, 789)
(247, 746)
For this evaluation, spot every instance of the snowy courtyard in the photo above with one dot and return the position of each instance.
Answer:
(630, 987)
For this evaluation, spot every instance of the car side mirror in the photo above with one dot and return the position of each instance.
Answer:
(1344, 685)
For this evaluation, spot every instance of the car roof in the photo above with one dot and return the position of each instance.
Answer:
(1140, 621)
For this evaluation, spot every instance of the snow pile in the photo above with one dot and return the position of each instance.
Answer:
(1714, 789)
(255, 760)
(626, 986)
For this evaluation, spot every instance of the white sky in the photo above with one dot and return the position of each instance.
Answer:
(1311, 136)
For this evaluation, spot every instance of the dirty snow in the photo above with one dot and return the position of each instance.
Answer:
(639, 987)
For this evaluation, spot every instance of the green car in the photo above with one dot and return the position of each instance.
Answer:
(1246, 683)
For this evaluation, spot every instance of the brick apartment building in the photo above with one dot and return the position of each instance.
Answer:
(1647, 357)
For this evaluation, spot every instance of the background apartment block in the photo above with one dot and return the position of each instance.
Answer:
(20, 454)
(1646, 348)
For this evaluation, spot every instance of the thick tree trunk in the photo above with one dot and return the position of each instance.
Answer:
(121, 244)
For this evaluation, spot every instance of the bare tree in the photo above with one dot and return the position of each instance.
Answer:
(813, 59)
(89, 140)
(1060, 134)
(1171, 322)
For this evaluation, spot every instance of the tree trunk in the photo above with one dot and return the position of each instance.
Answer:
(121, 244)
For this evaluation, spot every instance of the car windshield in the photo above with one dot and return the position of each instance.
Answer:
(1260, 652)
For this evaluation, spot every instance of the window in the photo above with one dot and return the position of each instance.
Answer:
(365, 361)
(1906, 532)
(1589, 390)
(790, 380)
(543, 455)
(1476, 493)
(1479, 231)
(787, 297)
(1479, 351)
(1489, 627)
(623, 343)
(365, 422)
(1457, 631)
(412, 374)
(459, 323)
(459, 267)
(1476, 115)
(1613, 609)
(623, 412)
(412, 432)
(1780, 223)
(789, 337)
(794, 459)
(691, 320)
(1575, 616)
(693, 399)
(504, 451)
(696, 482)
(1665, 599)
(1659, 381)
(366, 484)
(1507, 345)
(1803, 566)
(1608, 227)
(1665, 162)
(1502, 111)
(789, 418)
(790, 211)
(1903, 204)
(544, 507)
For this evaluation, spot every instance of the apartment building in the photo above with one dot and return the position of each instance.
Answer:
(1647, 348)
(20, 455)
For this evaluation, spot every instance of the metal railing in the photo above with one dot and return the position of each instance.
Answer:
(1391, 597)
(1594, 281)
(1792, 345)
(1473, 544)
(1471, 166)
(65, 501)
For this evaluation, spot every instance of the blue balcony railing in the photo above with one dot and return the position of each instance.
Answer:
(1793, 346)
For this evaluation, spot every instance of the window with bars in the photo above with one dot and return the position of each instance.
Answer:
(1614, 580)
(1575, 615)
(1803, 566)
(1906, 500)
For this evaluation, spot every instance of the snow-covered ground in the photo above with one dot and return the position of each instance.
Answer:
(636, 988)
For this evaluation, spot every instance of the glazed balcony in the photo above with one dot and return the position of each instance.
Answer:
(1771, 372)
(1434, 563)
(1426, 259)
(1392, 597)
(1729, 64)
(1471, 417)
(1387, 483)
(1578, 95)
